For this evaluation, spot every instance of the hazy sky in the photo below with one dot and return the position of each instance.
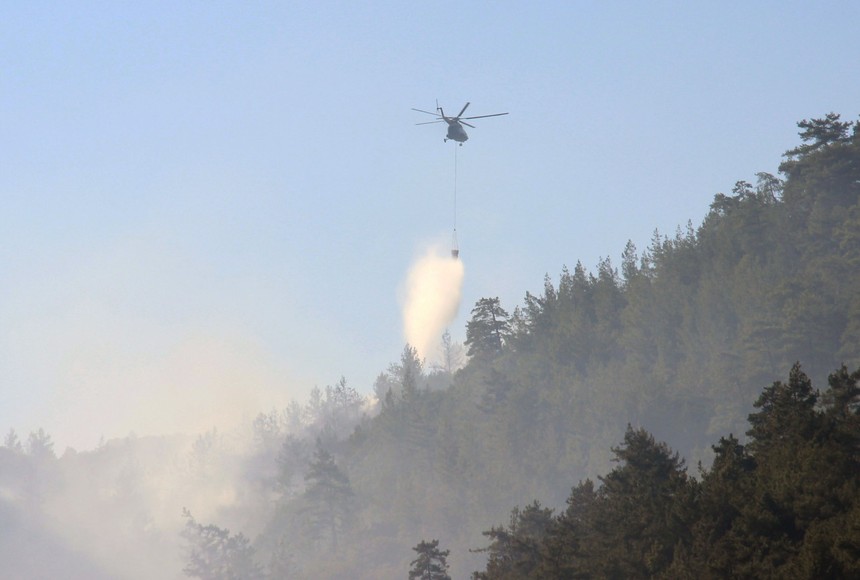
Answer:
(210, 207)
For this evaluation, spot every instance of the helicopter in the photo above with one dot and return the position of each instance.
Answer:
(455, 124)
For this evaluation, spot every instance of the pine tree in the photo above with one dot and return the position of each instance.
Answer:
(569, 539)
(13, 443)
(328, 497)
(452, 354)
(721, 546)
(40, 446)
(644, 510)
(431, 563)
(787, 414)
(411, 372)
(515, 551)
(215, 554)
(489, 329)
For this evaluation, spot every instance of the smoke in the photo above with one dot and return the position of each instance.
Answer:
(116, 511)
(139, 336)
(431, 299)
(194, 382)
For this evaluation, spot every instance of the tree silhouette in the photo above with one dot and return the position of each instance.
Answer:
(489, 328)
(328, 496)
(431, 563)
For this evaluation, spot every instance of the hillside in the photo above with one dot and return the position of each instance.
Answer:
(678, 340)
(784, 505)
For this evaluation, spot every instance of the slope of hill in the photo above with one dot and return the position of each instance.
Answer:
(678, 340)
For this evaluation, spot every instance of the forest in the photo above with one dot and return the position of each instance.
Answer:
(662, 417)
(784, 505)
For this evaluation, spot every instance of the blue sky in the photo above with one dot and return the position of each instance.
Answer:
(209, 207)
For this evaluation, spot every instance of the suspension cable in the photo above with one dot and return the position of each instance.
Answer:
(455, 246)
(455, 188)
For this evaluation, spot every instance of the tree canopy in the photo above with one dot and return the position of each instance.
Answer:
(786, 505)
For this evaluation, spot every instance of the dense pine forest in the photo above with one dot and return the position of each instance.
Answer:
(785, 505)
(689, 410)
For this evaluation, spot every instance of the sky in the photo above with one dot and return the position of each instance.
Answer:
(208, 208)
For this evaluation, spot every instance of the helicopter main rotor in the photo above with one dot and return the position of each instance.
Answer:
(458, 119)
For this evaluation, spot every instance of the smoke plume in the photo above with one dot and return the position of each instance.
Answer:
(431, 299)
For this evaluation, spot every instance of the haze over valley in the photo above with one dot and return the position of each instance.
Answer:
(254, 323)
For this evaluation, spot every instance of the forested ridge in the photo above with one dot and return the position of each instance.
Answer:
(785, 505)
(706, 346)
(678, 340)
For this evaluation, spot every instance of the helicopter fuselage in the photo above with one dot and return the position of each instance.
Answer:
(456, 131)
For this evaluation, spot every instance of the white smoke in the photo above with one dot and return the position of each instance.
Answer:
(431, 299)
